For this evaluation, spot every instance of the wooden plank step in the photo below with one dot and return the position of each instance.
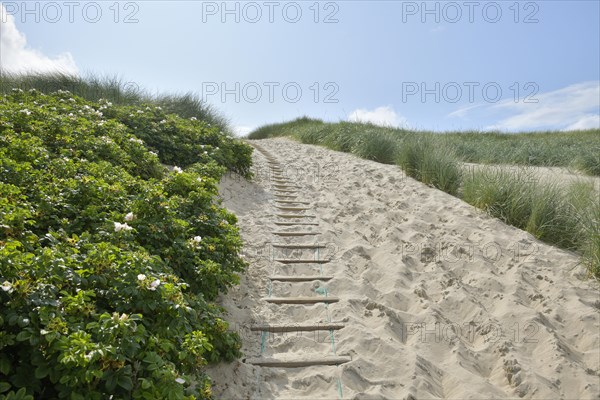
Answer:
(285, 196)
(295, 216)
(289, 208)
(296, 278)
(286, 191)
(295, 233)
(296, 223)
(299, 246)
(300, 261)
(292, 201)
(286, 186)
(296, 328)
(299, 363)
(301, 300)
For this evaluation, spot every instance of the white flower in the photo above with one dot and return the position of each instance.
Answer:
(180, 381)
(26, 112)
(194, 119)
(164, 121)
(141, 277)
(206, 152)
(140, 112)
(122, 227)
(158, 108)
(101, 123)
(177, 169)
(154, 154)
(129, 217)
(140, 141)
(199, 180)
(154, 284)
(197, 239)
(6, 286)
(72, 100)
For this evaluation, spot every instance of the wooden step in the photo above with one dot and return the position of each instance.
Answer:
(300, 261)
(305, 278)
(301, 300)
(287, 186)
(292, 201)
(299, 246)
(296, 328)
(298, 363)
(286, 191)
(296, 223)
(290, 208)
(295, 216)
(295, 233)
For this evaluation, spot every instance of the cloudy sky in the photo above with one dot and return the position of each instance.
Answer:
(505, 65)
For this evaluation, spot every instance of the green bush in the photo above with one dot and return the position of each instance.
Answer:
(423, 159)
(108, 262)
(567, 218)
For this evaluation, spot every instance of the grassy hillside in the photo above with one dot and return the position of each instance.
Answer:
(109, 262)
(576, 149)
(564, 216)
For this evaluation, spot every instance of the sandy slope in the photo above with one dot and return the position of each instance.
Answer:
(438, 299)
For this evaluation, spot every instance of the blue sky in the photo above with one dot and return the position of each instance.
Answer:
(506, 65)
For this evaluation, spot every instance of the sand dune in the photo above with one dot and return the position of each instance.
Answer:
(437, 299)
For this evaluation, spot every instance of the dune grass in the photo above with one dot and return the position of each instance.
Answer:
(565, 216)
(578, 150)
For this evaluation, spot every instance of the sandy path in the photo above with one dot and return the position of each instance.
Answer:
(438, 300)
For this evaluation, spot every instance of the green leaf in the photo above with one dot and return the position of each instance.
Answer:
(23, 336)
(125, 382)
(4, 386)
(42, 371)
(4, 365)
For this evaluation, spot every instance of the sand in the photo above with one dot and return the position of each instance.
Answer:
(437, 299)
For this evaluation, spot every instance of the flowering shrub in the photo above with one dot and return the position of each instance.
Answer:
(109, 263)
(182, 141)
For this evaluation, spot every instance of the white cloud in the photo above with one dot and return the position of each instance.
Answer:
(462, 112)
(16, 56)
(585, 122)
(573, 107)
(385, 116)
(241, 130)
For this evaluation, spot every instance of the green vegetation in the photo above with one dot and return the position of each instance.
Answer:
(109, 262)
(577, 149)
(568, 217)
(116, 91)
